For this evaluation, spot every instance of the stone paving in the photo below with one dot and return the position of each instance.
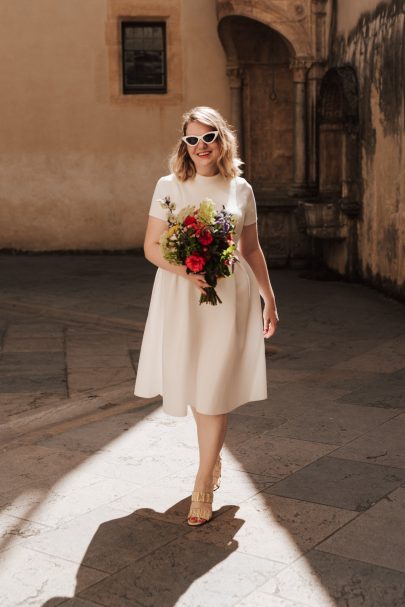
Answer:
(95, 484)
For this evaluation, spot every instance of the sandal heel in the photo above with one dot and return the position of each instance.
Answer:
(202, 514)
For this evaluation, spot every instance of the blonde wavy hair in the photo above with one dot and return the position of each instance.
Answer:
(229, 162)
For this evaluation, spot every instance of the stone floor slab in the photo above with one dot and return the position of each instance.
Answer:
(125, 434)
(17, 404)
(32, 344)
(383, 445)
(242, 427)
(334, 424)
(28, 464)
(386, 355)
(341, 483)
(169, 504)
(385, 391)
(325, 580)
(183, 574)
(169, 498)
(63, 503)
(97, 378)
(29, 329)
(105, 538)
(336, 377)
(277, 413)
(31, 578)
(38, 363)
(76, 602)
(275, 456)
(275, 528)
(376, 536)
(15, 531)
(93, 359)
(41, 384)
(262, 599)
(118, 484)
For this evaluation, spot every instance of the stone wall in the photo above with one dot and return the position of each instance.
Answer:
(78, 160)
(373, 43)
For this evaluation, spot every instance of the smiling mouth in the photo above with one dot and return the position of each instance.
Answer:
(203, 154)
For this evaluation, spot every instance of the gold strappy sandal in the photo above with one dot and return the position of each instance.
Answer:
(198, 515)
(216, 474)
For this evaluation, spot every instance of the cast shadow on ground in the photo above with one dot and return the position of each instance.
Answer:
(325, 328)
(145, 556)
(145, 551)
(144, 574)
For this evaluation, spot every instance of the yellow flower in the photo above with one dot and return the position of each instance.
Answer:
(172, 230)
(206, 211)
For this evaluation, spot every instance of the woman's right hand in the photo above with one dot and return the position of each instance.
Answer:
(198, 281)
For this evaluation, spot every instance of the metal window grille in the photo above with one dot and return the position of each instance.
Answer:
(144, 57)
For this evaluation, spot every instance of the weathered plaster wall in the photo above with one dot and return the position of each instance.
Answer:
(373, 42)
(78, 164)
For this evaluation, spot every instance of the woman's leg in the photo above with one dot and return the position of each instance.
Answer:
(211, 430)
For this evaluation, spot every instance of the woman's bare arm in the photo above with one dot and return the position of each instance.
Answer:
(251, 250)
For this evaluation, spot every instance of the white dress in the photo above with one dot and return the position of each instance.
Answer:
(208, 357)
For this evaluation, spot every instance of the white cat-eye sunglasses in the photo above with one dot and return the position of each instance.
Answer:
(193, 140)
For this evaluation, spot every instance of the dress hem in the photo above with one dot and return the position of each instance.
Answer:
(244, 402)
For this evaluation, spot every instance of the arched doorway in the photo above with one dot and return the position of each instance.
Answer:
(339, 154)
(263, 58)
(268, 100)
(331, 217)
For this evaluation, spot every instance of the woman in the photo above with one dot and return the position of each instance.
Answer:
(210, 358)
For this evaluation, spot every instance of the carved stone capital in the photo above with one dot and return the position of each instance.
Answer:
(319, 7)
(300, 67)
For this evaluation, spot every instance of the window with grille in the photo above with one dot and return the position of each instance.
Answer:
(144, 57)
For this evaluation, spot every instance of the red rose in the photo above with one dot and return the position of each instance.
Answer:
(195, 263)
(206, 238)
(189, 220)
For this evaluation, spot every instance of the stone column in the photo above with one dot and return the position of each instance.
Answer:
(299, 67)
(234, 74)
(314, 79)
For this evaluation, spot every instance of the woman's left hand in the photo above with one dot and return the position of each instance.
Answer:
(270, 320)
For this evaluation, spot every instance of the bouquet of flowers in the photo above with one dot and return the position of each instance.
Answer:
(202, 239)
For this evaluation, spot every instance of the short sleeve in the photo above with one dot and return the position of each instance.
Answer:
(162, 189)
(251, 211)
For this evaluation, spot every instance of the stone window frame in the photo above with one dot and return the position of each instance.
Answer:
(138, 88)
(167, 11)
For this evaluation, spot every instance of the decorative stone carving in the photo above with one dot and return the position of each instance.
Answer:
(300, 67)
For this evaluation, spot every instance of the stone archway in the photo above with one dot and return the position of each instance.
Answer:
(276, 52)
(301, 27)
(266, 123)
(268, 98)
